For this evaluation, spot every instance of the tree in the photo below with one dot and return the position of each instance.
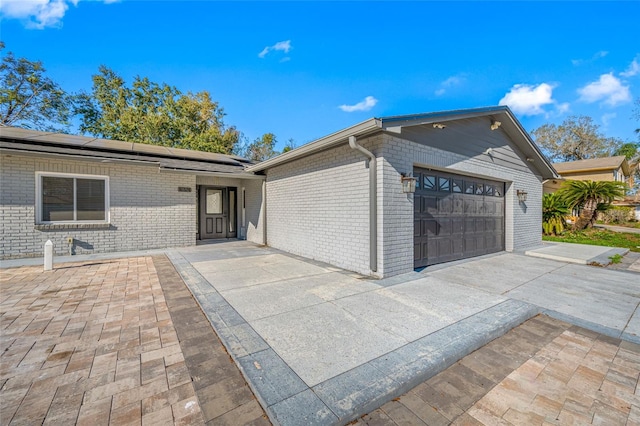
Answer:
(151, 113)
(630, 150)
(291, 144)
(589, 196)
(577, 138)
(262, 148)
(30, 99)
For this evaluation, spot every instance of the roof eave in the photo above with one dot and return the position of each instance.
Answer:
(318, 145)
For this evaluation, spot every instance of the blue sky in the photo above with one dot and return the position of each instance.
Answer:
(302, 70)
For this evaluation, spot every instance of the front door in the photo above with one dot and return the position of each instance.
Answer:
(217, 212)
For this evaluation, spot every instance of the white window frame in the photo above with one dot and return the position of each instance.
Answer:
(40, 175)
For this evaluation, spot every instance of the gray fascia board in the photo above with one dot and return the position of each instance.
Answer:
(318, 145)
(549, 167)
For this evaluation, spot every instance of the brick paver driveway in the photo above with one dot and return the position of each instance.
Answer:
(113, 342)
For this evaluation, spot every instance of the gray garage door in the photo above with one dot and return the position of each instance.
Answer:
(456, 217)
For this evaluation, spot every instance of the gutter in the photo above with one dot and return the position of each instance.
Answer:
(373, 202)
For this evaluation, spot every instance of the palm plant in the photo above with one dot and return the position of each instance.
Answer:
(554, 210)
(588, 196)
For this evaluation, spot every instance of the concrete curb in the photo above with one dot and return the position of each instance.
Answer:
(607, 331)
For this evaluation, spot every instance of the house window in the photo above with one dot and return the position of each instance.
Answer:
(65, 198)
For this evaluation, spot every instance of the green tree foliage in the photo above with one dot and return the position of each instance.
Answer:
(554, 210)
(589, 197)
(262, 148)
(30, 99)
(577, 138)
(148, 112)
(631, 150)
(291, 144)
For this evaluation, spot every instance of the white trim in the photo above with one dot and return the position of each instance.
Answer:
(74, 176)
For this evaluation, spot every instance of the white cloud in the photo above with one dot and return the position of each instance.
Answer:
(284, 46)
(606, 118)
(595, 57)
(368, 103)
(528, 100)
(634, 69)
(38, 14)
(450, 82)
(608, 89)
(562, 108)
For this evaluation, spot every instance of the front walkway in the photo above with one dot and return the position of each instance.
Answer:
(113, 342)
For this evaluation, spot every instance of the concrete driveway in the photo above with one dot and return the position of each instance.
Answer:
(320, 345)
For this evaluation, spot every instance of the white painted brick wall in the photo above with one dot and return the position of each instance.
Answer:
(146, 209)
(254, 216)
(318, 207)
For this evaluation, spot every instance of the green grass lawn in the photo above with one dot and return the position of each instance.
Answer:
(599, 237)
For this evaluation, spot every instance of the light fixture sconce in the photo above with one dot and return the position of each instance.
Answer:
(495, 124)
(408, 184)
(439, 126)
(522, 196)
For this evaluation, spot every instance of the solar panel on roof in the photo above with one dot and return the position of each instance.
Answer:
(108, 144)
(150, 149)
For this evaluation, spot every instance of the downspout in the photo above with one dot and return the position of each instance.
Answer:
(264, 212)
(373, 203)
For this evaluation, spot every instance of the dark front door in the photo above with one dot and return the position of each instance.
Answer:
(217, 212)
(456, 217)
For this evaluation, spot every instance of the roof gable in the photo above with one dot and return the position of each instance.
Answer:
(594, 164)
(394, 124)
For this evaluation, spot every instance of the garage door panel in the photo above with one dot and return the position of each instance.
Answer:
(457, 207)
(456, 217)
(430, 228)
(430, 204)
(445, 205)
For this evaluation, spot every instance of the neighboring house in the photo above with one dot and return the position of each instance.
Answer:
(608, 169)
(339, 199)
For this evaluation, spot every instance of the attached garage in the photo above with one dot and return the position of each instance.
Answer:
(456, 217)
(341, 199)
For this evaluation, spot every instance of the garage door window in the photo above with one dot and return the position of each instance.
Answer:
(429, 183)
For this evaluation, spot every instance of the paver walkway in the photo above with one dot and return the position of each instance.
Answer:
(544, 372)
(108, 342)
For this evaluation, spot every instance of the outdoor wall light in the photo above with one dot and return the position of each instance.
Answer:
(495, 124)
(408, 184)
(522, 196)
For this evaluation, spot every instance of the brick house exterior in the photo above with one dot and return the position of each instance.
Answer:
(152, 199)
(323, 200)
(317, 196)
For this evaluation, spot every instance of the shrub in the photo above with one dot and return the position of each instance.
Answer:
(616, 214)
(554, 210)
